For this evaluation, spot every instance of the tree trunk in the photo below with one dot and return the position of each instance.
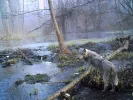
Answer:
(125, 41)
(63, 47)
(125, 47)
(5, 14)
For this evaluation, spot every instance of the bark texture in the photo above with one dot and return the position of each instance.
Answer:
(63, 47)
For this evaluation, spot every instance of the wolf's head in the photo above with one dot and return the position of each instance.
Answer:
(83, 53)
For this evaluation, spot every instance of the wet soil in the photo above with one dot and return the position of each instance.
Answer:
(91, 90)
(123, 63)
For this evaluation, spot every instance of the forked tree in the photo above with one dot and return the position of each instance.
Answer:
(62, 45)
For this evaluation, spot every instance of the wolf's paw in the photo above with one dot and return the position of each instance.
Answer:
(104, 90)
(113, 90)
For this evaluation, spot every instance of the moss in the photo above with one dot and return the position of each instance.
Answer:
(53, 47)
(125, 76)
(34, 92)
(94, 79)
(10, 61)
(73, 98)
(32, 79)
(67, 61)
(81, 69)
(73, 45)
(13, 61)
(123, 55)
(19, 82)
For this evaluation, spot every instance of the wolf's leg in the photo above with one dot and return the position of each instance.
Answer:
(114, 80)
(112, 83)
(105, 79)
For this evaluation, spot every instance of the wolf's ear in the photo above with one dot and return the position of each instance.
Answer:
(84, 50)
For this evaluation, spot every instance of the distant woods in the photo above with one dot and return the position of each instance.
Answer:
(73, 16)
(127, 6)
(7, 10)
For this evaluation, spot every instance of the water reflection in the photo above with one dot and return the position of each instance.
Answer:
(11, 74)
(43, 68)
(23, 91)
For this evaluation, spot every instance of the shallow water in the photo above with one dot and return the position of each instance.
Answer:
(8, 75)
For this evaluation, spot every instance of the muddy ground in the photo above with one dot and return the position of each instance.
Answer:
(90, 88)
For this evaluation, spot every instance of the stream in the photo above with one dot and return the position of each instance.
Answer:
(9, 75)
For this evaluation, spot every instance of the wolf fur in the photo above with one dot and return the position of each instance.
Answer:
(103, 65)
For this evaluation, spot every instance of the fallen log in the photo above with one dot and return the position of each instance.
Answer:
(125, 47)
(86, 73)
(69, 86)
(67, 81)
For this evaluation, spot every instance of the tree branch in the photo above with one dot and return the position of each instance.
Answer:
(29, 12)
(40, 26)
(60, 15)
(128, 5)
(82, 4)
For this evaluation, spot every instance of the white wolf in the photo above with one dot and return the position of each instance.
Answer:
(103, 65)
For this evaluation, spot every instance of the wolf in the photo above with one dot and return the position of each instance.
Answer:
(101, 64)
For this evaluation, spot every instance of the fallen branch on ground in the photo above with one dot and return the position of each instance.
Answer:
(21, 81)
(68, 81)
(30, 61)
(69, 86)
(125, 47)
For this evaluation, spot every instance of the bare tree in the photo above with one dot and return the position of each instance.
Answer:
(63, 47)
(128, 6)
(5, 14)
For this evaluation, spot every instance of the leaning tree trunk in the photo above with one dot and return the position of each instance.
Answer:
(63, 47)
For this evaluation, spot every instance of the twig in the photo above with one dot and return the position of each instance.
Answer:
(4, 54)
(40, 26)
(25, 56)
(68, 81)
